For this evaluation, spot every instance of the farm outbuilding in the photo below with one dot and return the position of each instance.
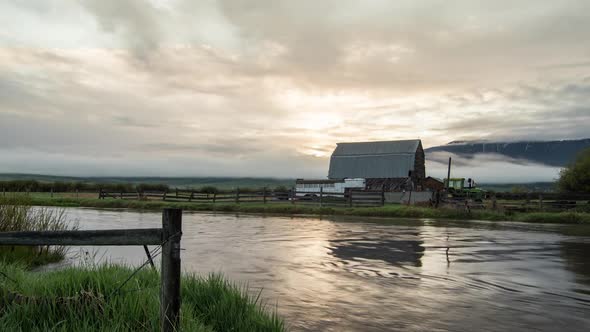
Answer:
(389, 165)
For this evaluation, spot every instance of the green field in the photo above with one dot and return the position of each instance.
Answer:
(390, 210)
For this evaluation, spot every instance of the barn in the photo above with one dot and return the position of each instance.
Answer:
(389, 165)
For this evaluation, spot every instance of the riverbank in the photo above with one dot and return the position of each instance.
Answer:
(392, 211)
(89, 299)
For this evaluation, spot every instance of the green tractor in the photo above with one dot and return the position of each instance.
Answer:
(458, 190)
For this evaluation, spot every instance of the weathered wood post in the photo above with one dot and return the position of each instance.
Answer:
(170, 290)
(51, 192)
(237, 195)
(121, 194)
(190, 199)
(494, 203)
(214, 197)
(541, 202)
(383, 195)
(292, 194)
(349, 198)
(164, 196)
(321, 196)
(264, 195)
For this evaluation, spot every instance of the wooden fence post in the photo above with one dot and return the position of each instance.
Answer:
(293, 194)
(264, 195)
(383, 195)
(321, 196)
(121, 193)
(170, 274)
(51, 192)
(214, 196)
(494, 203)
(77, 191)
(164, 196)
(541, 202)
(190, 199)
(349, 198)
(237, 195)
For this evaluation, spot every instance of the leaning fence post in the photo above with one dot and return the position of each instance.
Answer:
(170, 288)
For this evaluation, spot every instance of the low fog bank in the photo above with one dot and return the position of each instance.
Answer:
(489, 168)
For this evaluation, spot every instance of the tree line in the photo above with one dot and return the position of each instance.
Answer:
(38, 186)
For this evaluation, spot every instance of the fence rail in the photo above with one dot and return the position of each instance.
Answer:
(168, 237)
(349, 198)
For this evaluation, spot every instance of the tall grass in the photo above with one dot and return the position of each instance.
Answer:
(86, 299)
(16, 214)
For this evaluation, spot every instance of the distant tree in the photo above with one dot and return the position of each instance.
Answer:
(576, 177)
(518, 189)
(281, 189)
(209, 190)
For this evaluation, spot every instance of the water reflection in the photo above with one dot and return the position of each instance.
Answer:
(368, 275)
(406, 250)
(577, 259)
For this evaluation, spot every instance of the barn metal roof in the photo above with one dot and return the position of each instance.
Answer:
(382, 147)
(387, 159)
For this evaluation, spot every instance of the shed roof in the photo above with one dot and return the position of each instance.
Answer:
(386, 159)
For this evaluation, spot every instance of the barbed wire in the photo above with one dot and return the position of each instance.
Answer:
(154, 253)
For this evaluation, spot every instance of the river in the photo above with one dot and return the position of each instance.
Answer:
(361, 274)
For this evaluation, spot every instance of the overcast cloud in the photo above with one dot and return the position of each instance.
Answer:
(266, 88)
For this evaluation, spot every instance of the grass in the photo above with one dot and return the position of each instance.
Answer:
(86, 299)
(17, 215)
(393, 210)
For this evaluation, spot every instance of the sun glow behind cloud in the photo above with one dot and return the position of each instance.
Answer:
(201, 83)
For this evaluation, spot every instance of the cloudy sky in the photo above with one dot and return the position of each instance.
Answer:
(266, 88)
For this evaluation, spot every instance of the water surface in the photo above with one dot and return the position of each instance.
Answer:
(359, 274)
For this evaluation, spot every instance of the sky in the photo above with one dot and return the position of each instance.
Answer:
(267, 88)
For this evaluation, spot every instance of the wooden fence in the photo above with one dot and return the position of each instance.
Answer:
(168, 237)
(321, 198)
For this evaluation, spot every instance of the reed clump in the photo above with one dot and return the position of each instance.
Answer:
(17, 215)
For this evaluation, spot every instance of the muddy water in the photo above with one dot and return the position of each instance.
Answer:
(374, 275)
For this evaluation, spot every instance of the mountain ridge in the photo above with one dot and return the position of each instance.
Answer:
(558, 153)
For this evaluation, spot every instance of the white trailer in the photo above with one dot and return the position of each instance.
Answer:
(312, 187)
